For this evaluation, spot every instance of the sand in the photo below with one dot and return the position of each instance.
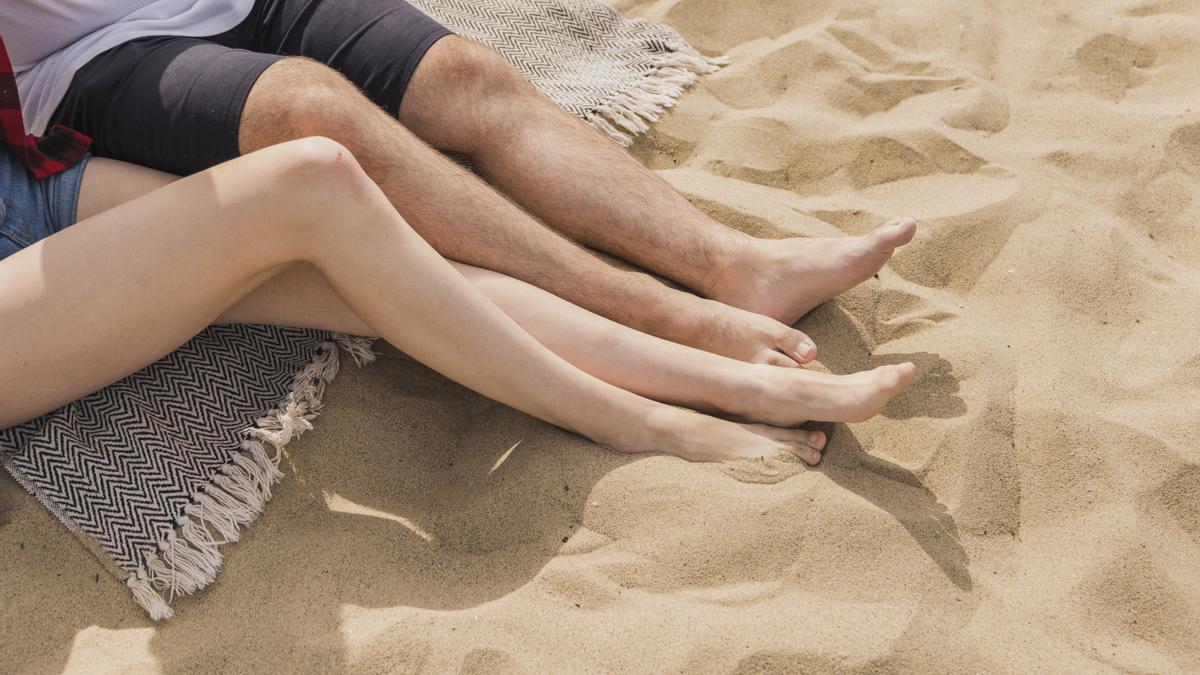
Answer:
(1033, 503)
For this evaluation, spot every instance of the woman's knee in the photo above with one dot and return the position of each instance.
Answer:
(320, 168)
(313, 185)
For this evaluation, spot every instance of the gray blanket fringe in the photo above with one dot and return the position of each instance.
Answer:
(189, 557)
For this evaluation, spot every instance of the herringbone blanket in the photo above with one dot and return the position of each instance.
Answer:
(156, 472)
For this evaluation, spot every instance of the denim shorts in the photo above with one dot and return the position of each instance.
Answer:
(32, 209)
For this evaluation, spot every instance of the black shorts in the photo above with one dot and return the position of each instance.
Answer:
(175, 103)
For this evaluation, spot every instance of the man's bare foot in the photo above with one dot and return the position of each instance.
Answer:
(787, 397)
(738, 334)
(786, 278)
(700, 438)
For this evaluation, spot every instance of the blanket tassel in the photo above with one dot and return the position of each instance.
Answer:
(631, 112)
(189, 557)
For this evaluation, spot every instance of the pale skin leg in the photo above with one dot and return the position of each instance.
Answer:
(629, 359)
(124, 287)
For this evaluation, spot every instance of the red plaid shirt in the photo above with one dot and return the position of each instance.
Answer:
(47, 155)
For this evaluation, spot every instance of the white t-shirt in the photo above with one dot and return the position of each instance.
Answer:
(49, 40)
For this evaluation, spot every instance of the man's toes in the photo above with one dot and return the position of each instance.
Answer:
(893, 234)
(904, 375)
(796, 345)
(895, 379)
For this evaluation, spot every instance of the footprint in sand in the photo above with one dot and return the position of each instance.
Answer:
(792, 155)
(758, 150)
(486, 660)
(986, 110)
(1132, 599)
(966, 218)
(879, 92)
(1111, 65)
(882, 159)
(811, 67)
(1177, 496)
(883, 75)
(1184, 148)
(898, 313)
(763, 471)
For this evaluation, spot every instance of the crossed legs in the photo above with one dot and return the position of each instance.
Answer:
(176, 259)
(634, 361)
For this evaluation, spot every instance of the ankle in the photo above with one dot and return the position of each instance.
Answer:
(727, 261)
(740, 388)
(639, 427)
(661, 431)
(678, 317)
(750, 391)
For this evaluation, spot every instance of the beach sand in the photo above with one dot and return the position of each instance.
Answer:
(1032, 503)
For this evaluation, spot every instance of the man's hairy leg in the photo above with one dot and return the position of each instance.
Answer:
(465, 97)
(467, 220)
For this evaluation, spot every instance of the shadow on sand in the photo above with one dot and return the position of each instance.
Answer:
(407, 483)
(898, 491)
(933, 393)
(844, 349)
(420, 494)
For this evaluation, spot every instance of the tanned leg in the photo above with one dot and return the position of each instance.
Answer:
(467, 220)
(465, 97)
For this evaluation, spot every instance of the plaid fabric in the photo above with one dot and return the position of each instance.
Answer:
(46, 155)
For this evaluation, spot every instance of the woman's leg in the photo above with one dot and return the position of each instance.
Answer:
(634, 361)
(665, 371)
(298, 296)
(121, 289)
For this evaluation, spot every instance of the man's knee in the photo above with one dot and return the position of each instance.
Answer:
(299, 98)
(469, 68)
(463, 92)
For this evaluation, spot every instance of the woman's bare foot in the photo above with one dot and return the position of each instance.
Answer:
(785, 279)
(787, 397)
(700, 438)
